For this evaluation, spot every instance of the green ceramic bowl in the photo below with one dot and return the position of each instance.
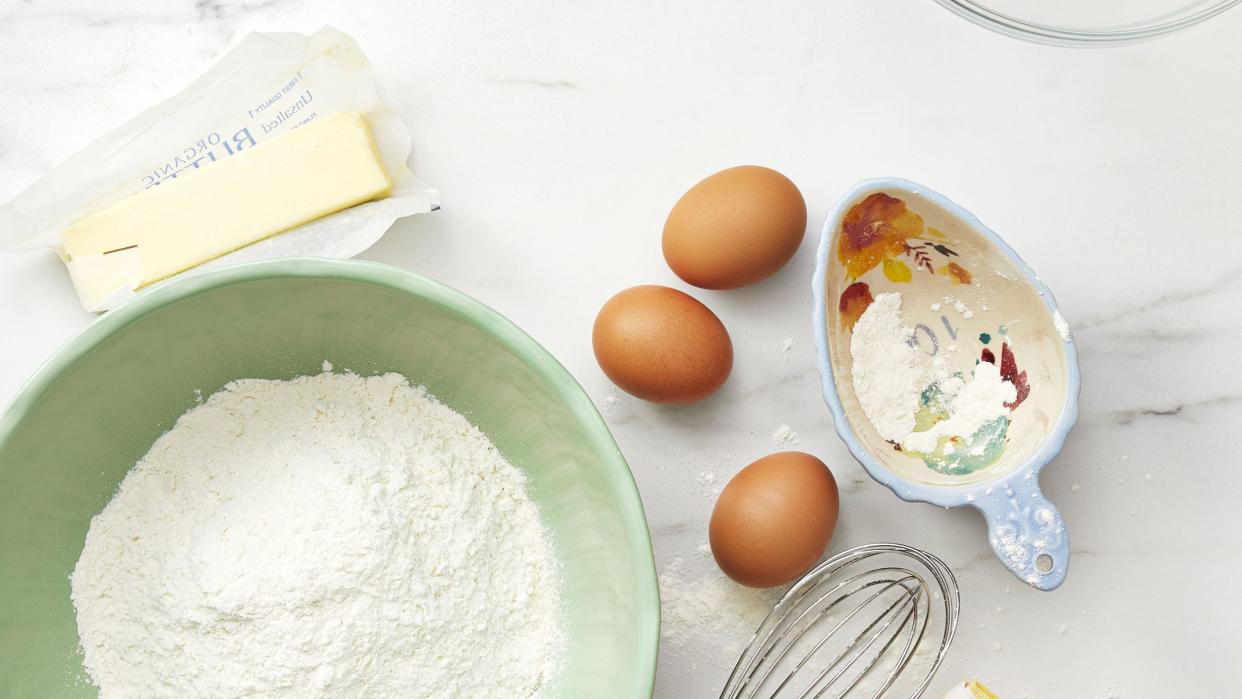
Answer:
(98, 405)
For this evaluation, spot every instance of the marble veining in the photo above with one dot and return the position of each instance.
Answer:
(547, 84)
(1180, 410)
(1223, 282)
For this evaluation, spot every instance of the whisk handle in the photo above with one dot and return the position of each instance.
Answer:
(1027, 533)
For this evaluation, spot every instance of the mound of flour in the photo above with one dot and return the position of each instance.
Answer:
(329, 536)
(891, 372)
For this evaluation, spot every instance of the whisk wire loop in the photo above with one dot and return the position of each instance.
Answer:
(866, 609)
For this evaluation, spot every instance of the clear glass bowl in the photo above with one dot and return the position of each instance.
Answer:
(1087, 22)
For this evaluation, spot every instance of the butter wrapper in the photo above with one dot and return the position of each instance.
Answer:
(266, 86)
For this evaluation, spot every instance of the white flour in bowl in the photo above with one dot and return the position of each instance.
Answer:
(891, 373)
(329, 536)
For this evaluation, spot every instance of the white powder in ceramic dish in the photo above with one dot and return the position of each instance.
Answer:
(329, 536)
(961, 307)
(1062, 325)
(971, 405)
(891, 372)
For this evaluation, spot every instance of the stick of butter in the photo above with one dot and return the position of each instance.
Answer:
(970, 689)
(318, 169)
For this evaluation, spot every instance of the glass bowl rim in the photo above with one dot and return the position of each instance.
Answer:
(1017, 27)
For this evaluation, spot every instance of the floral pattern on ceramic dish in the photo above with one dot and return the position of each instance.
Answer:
(882, 230)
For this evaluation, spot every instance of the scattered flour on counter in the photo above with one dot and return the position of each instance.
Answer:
(706, 607)
(891, 373)
(329, 536)
(706, 481)
(784, 436)
(788, 345)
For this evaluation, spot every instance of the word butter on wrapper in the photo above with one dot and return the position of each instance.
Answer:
(283, 148)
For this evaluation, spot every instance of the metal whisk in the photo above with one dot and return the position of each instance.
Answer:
(856, 625)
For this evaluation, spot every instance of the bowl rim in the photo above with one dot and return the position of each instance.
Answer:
(513, 338)
(911, 491)
(978, 12)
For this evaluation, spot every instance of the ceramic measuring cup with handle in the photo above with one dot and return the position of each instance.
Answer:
(969, 298)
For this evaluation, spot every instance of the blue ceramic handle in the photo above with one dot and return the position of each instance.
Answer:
(1026, 532)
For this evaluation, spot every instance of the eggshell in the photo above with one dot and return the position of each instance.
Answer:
(774, 519)
(662, 345)
(734, 228)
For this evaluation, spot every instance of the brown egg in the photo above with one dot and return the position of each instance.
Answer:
(734, 228)
(773, 521)
(662, 345)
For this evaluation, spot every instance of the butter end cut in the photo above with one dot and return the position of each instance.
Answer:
(99, 278)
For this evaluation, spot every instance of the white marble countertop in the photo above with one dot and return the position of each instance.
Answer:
(560, 133)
